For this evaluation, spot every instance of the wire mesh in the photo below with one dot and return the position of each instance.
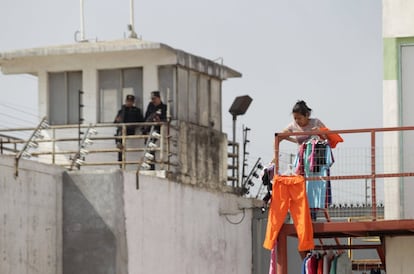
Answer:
(354, 191)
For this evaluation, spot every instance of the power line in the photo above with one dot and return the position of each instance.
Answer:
(19, 109)
(16, 118)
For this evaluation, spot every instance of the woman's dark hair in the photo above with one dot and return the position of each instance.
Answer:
(301, 108)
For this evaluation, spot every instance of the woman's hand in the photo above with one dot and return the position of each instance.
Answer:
(322, 136)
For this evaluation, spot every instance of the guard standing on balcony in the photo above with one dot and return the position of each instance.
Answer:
(156, 109)
(129, 113)
(156, 112)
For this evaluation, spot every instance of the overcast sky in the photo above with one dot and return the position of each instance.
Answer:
(326, 52)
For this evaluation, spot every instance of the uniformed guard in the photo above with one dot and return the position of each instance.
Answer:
(129, 113)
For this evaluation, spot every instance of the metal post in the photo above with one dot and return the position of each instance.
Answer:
(234, 152)
(161, 141)
(281, 254)
(373, 181)
(124, 145)
(276, 155)
(82, 24)
(80, 119)
(53, 146)
(167, 135)
(131, 14)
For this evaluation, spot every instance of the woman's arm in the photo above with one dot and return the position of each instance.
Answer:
(318, 126)
(288, 138)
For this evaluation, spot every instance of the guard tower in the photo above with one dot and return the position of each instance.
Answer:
(106, 71)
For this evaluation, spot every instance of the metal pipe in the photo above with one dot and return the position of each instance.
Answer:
(168, 129)
(373, 181)
(276, 155)
(53, 145)
(82, 24)
(233, 172)
(131, 14)
(280, 252)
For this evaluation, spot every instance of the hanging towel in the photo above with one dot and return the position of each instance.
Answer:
(333, 138)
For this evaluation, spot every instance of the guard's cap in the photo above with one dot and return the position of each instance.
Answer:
(130, 97)
(155, 94)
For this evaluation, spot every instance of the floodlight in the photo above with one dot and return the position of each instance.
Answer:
(33, 144)
(44, 124)
(38, 134)
(149, 156)
(26, 154)
(152, 145)
(88, 141)
(79, 161)
(93, 131)
(240, 105)
(156, 135)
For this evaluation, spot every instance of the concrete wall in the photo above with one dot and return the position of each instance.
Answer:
(398, 33)
(398, 30)
(177, 228)
(54, 221)
(399, 255)
(407, 119)
(391, 112)
(93, 223)
(31, 218)
(110, 226)
(397, 18)
(200, 154)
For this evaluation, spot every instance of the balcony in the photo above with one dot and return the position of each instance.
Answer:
(183, 152)
(371, 182)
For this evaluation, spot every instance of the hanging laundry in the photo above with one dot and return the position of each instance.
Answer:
(343, 264)
(333, 138)
(320, 265)
(313, 263)
(289, 193)
(327, 261)
(333, 265)
(267, 178)
(310, 264)
(317, 161)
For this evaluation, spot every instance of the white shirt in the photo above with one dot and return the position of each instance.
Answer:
(294, 127)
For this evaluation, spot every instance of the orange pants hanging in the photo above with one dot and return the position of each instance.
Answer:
(289, 193)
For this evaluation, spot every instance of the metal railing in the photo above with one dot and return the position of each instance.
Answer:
(359, 173)
(60, 145)
(71, 147)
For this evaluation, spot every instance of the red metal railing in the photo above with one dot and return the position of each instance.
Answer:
(373, 174)
(367, 227)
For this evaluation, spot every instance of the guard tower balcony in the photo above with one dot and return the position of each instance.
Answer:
(83, 85)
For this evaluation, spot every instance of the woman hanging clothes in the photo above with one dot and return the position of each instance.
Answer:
(314, 156)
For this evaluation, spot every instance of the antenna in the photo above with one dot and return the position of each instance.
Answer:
(80, 34)
(82, 23)
(131, 27)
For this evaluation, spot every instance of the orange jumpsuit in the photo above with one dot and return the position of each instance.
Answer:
(288, 192)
